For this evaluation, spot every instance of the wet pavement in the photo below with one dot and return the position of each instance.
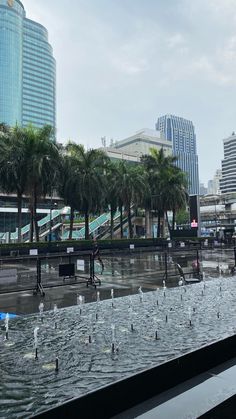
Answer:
(124, 273)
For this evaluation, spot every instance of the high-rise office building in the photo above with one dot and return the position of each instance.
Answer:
(228, 180)
(27, 69)
(214, 184)
(180, 132)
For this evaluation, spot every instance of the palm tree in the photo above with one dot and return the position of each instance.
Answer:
(112, 193)
(91, 167)
(176, 195)
(13, 167)
(42, 155)
(131, 184)
(69, 186)
(161, 172)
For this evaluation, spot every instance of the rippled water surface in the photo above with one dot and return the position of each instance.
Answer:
(28, 386)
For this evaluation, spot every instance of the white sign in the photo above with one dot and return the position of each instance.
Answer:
(33, 252)
(70, 249)
(132, 261)
(169, 244)
(80, 265)
(131, 246)
(182, 244)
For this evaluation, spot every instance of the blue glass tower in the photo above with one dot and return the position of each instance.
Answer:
(181, 133)
(27, 69)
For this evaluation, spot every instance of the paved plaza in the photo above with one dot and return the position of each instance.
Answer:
(124, 273)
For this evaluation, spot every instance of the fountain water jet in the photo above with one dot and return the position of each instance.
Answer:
(41, 307)
(140, 294)
(80, 302)
(6, 325)
(112, 298)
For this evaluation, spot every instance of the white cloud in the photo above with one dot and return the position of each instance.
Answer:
(162, 53)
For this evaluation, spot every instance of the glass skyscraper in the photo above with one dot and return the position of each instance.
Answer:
(27, 69)
(181, 133)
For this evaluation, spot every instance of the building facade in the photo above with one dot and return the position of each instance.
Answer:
(214, 184)
(141, 142)
(228, 180)
(181, 134)
(27, 69)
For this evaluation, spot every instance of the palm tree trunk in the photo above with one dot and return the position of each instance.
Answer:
(36, 227)
(121, 222)
(112, 223)
(130, 223)
(159, 224)
(167, 219)
(19, 215)
(86, 216)
(147, 224)
(31, 208)
(173, 219)
(72, 214)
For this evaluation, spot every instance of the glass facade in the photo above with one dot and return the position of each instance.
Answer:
(27, 69)
(181, 133)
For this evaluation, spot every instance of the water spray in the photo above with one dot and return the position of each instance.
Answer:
(7, 326)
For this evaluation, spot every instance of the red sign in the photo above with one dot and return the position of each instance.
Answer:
(194, 224)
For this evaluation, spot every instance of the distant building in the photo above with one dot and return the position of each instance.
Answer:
(121, 155)
(27, 69)
(203, 189)
(181, 134)
(228, 181)
(214, 184)
(141, 142)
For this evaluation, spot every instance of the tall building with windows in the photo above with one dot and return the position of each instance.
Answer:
(180, 132)
(27, 69)
(228, 180)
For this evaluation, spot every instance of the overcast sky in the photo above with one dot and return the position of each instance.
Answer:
(123, 63)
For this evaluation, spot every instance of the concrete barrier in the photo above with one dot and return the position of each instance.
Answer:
(124, 394)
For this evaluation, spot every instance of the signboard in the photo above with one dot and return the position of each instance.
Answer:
(131, 246)
(33, 252)
(70, 249)
(194, 224)
(67, 269)
(80, 265)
